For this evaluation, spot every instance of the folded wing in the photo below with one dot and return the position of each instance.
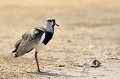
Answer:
(28, 41)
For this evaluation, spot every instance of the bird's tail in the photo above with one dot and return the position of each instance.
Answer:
(16, 55)
(14, 51)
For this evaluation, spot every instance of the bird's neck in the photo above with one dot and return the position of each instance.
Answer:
(49, 29)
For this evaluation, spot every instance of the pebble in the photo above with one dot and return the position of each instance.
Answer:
(95, 63)
(61, 65)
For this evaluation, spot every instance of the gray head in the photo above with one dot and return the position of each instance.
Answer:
(50, 23)
(54, 23)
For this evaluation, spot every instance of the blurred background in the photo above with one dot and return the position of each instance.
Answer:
(88, 29)
(70, 13)
(78, 16)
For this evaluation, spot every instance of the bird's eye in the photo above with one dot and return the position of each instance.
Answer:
(49, 20)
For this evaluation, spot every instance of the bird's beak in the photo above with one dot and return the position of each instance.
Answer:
(56, 24)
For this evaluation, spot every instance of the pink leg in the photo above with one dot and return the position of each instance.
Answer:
(36, 58)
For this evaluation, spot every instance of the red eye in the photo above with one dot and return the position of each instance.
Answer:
(49, 20)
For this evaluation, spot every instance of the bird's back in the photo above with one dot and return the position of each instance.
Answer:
(29, 40)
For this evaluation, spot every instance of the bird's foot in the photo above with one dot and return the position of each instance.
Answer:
(38, 70)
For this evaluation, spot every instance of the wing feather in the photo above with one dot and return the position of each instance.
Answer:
(17, 43)
(29, 40)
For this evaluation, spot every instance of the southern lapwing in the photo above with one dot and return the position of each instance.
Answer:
(35, 39)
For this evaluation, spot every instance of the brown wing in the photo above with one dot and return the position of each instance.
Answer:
(30, 39)
(24, 37)
(16, 45)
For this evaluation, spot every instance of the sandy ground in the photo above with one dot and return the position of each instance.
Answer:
(89, 29)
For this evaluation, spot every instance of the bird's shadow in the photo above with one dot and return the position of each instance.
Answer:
(51, 74)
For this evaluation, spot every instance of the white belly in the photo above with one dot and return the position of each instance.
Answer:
(40, 44)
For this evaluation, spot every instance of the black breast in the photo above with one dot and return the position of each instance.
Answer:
(48, 37)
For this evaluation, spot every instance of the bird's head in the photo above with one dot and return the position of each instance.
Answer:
(54, 22)
(50, 23)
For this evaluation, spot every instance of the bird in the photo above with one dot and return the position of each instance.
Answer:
(35, 38)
